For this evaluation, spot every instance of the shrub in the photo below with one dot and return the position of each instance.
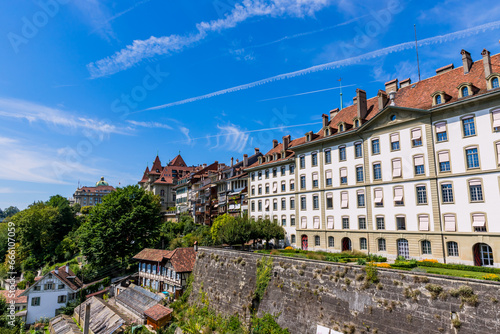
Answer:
(361, 261)
(459, 267)
(434, 289)
(491, 277)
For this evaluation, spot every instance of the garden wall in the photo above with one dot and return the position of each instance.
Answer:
(306, 294)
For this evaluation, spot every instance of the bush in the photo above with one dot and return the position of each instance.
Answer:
(459, 267)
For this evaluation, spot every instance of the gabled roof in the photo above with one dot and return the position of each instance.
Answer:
(68, 278)
(103, 319)
(178, 161)
(149, 254)
(158, 312)
(156, 166)
(277, 149)
(183, 259)
(145, 176)
(18, 299)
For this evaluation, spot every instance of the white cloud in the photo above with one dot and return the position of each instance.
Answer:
(166, 45)
(185, 132)
(32, 112)
(231, 138)
(342, 63)
(150, 124)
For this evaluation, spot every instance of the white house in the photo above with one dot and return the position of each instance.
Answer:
(51, 292)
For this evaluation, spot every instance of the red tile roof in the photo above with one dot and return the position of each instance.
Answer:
(96, 189)
(69, 278)
(178, 161)
(156, 166)
(145, 176)
(183, 259)
(278, 149)
(158, 312)
(149, 254)
(17, 299)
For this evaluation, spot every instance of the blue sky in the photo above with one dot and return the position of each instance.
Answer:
(92, 88)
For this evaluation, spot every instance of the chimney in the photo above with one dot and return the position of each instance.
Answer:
(257, 150)
(445, 69)
(467, 60)
(486, 63)
(325, 120)
(334, 113)
(67, 268)
(362, 107)
(275, 143)
(405, 82)
(286, 142)
(391, 86)
(382, 99)
(56, 270)
(232, 161)
(245, 160)
(355, 100)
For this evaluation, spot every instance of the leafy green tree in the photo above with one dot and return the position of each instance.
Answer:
(127, 221)
(9, 212)
(268, 230)
(4, 244)
(86, 209)
(217, 224)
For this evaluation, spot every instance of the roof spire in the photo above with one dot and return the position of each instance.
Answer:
(341, 101)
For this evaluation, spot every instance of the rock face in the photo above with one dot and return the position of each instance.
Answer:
(306, 294)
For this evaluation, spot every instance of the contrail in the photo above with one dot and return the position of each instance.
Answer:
(305, 93)
(137, 4)
(341, 63)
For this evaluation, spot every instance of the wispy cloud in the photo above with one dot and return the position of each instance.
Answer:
(97, 16)
(230, 138)
(32, 112)
(342, 63)
(150, 124)
(305, 93)
(185, 132)
(167, 45)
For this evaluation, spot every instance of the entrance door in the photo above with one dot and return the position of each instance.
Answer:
(403, 249)
(346, 244)
(304, 242)
(483, 255)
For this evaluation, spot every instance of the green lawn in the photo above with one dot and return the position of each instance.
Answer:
(454, 272)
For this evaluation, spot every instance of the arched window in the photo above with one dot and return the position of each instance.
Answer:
(426, 247)
(330, 242)
(494, 82)
(356, 123)
(317, 240)
(403, 249)
(438, 99)
(162, 193)
(465, 91)
(341, 127)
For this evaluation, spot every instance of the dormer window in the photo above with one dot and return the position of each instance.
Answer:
(438, 99)
(308, 137)
(275, 156)
(356, 123)
(341, 127)
(327, 132)
(494, 83)
(465, 91)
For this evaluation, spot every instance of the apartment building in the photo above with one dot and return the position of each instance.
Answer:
(413, 171)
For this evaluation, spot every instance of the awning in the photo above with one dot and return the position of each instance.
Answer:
(449, 223)
(478, 220)
(424, 223)
(234, 193)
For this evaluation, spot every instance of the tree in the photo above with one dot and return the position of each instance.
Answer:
(217, 224)
(269, 230)
(66, 221)
(127, 221)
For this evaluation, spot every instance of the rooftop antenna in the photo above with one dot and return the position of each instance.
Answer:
(416, 48)
(341, 102)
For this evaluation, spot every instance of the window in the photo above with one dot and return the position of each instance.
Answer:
(49, 286)
(494, 82)
(316, 222)
(303, 203)
(331, 242)
(37, 288)
(275, 172)
(444, 161)
(314, 158)
(267, 188)
(328, 156)
(253, 176)
(377, 171)
(283, 186)
(260, 190)
(292, 203)
(465, 91)
(399, 196)
(35, 301)
(343, 175)
(275, 187)
(292, 169)
(341, 127)
(358, 150)
(447, 192)
(441, 134)
(426, 247)
(400, 222)
(342, 154)
(329, 201)
(419, 165)
(378, 197)
(302, 182)
(329, 222)
(479, 222)
(363, 245)
(359, 174)
(438, 99)
(60, 286)
(361, 198)
(292, 239)
(283, 221)
(283, 204)
(315, 202)
(449, 223)
(283, 169)
(421, 194)
(61, 299)
(380, 223)
(267, 205)
(375, 146)
(253, 191)
(345, 223)
(292, 185)
(344, 200)
(328, 177)
(260, 205)
(452, 248)
(395, 142)
(472, 157)
(496, 120)
(315, 180)
(381, 245)
(362, 223)
(267, 173)
(396, 168)
(476, 191)
(317, 240)
(253, 206)
(416, 137)
(275, 205)
(468, 126)
(302, 161)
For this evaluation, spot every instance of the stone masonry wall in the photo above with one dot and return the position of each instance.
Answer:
(307, 293)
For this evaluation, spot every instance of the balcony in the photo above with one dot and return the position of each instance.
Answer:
(161, 278)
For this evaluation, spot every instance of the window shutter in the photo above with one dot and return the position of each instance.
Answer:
(419, 160)
(315, 177)
(416, 134)
(449, 223)
(440, 127)
(424, 223)
(328, 174)
(478, 220)
(343, 172)
(498, 151)
(444, 156)
(394, 137)
(496, 119)
(267, 204)
(316, 222)
(329, 195)
(329, 222)
(398, 194)
(275, 187)
(379, 196)
(475, 182)
(345, 200)
(396, 168)
(303, 222)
